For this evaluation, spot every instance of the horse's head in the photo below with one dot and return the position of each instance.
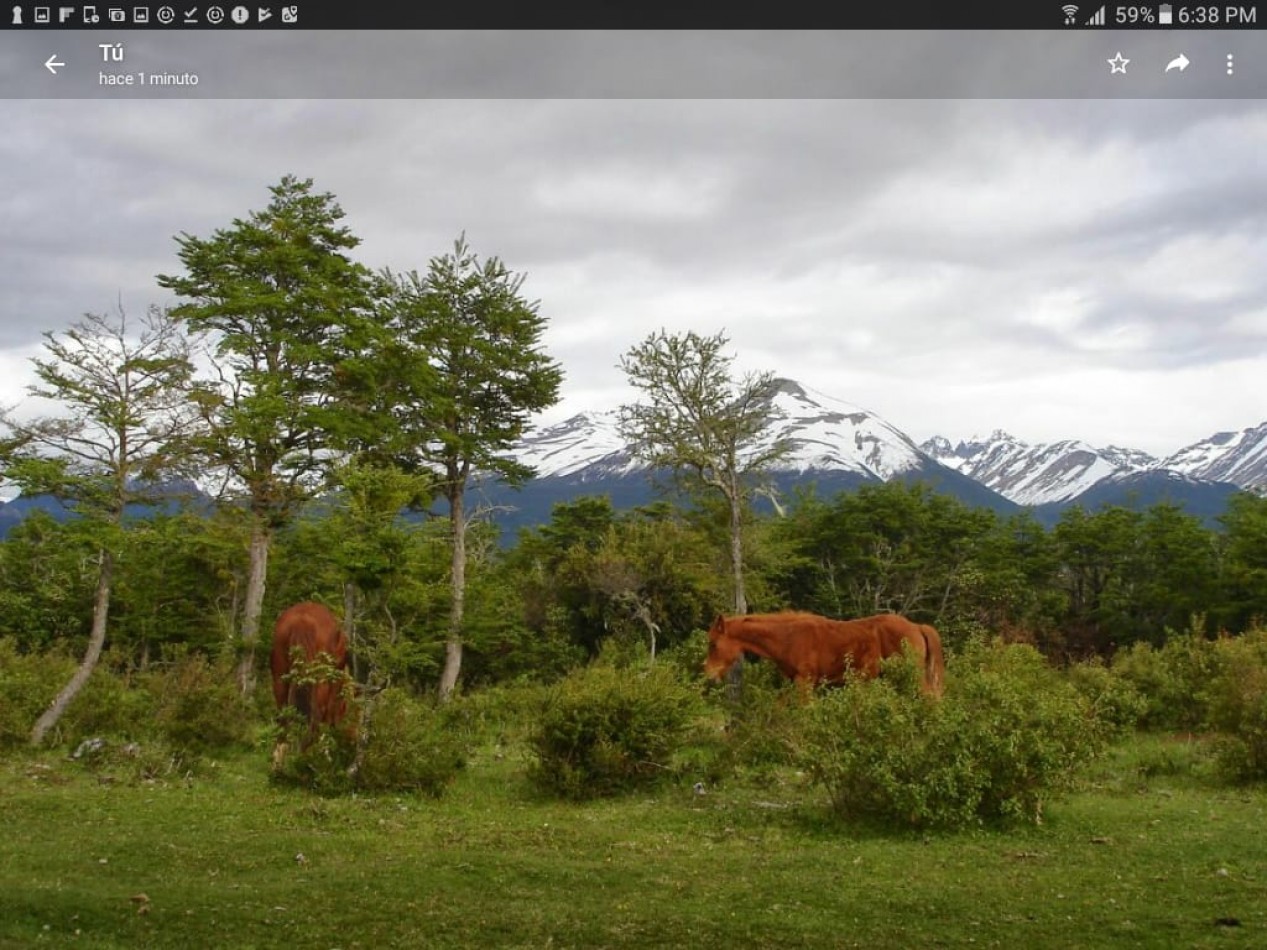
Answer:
(723, 650)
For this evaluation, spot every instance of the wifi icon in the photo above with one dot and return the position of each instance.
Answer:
(1071, 14)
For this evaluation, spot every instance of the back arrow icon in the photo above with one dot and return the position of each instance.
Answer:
(52, 64)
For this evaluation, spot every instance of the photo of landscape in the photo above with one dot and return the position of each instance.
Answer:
(633, 522)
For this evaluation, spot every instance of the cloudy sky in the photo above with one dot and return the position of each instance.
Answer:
(1086, 269)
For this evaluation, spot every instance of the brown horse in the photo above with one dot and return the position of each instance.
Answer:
(311, 630)
(811, 649)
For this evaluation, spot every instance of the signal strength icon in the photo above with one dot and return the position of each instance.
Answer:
(1071, 14)
(1097, 18)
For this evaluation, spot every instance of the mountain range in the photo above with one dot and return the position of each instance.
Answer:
(838, 446)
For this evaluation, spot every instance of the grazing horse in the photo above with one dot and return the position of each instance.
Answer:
(312, 630)
(811, 649)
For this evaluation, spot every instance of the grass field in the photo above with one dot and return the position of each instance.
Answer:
(1145, 856)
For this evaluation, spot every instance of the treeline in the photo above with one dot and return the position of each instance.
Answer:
(337, 407)
(594, 579)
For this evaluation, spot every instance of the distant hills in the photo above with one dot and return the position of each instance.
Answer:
(838, 446)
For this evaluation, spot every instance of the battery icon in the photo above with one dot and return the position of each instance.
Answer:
(1163, 15)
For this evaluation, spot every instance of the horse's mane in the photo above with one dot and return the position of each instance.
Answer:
(779, 615)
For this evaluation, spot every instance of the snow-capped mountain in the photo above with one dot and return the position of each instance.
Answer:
(838, 444)
(588, 445)
(825, 434)
(1236, 457)
(834, 445)
(1035, 474)
(1057, 472)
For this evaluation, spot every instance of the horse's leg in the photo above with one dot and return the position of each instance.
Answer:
(804, 688)
(281, 746)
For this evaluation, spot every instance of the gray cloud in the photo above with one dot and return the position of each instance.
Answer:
(1074, 268)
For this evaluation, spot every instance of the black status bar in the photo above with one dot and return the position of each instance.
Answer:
(597, 14)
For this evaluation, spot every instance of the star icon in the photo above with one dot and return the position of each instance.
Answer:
(1118, 63)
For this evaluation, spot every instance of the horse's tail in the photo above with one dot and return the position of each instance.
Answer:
(934, 660)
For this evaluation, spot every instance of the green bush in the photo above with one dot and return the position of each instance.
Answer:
(687, 657)
(603, 731)
(1174, 680)
(1115, 700)
(325, 766)
(28, 683)
(1008, 733)
(197, 705)
(107, 706)
(410, 745)
(1238, 707)
(759, 727)
(495, 715)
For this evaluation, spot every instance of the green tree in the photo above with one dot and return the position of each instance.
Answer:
(1099, 564)
(179, 576)
(370, 543)
(1178, 573)
(888, 547)
(294, 332)
(46, 583)
(703, 425)
(124, 427)
(1014, 592)
(470, 371)
(1244, 581)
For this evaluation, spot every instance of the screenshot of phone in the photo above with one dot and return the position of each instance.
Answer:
(952, 310)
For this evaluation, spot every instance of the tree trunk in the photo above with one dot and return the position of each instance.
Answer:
(453, 648)
(736, 556)
(349, 626)
(97, 639)
(734, 679)
(254, 606)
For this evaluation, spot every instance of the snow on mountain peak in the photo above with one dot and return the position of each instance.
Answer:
(830, 434)
(1237, 457)
(824, 433)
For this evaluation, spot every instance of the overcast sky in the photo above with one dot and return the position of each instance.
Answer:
(1075, 269)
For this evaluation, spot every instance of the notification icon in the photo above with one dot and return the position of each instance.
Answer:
(240, 15)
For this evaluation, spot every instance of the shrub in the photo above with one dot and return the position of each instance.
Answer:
(197, 706)
(410, 745)
(760, 727)
(1115, 700)
(687, 657)
(1238, 707)
(603, 731)
(107, 706)
(324, 767)
(1173, 680)
(495, 715)
(1008, 732)
(28, 683)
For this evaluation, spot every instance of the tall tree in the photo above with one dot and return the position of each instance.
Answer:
(475, 375)
(123, 427)
(291, 315)
(702, 423)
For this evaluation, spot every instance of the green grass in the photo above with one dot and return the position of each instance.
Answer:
(1147, 855)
